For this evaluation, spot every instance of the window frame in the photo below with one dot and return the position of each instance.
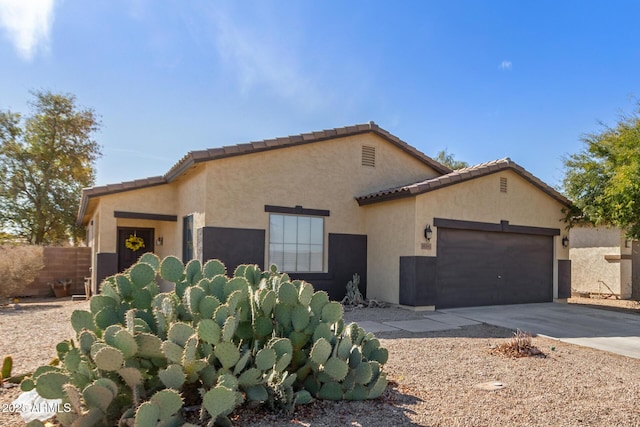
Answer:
(308, 245)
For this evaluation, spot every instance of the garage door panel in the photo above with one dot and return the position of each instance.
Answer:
(487, 268)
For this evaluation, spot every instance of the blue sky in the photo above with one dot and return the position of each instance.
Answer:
(484, 80)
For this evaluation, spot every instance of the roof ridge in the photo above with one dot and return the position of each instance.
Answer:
(461, 175)
(279, 142)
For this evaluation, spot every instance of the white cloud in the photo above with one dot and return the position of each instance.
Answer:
(259, 56)
(27, 24)
(505, 65)
(256, 59)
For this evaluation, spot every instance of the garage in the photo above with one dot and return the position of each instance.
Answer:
(503, 265)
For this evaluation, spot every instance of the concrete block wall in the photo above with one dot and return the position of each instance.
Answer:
(61, 263)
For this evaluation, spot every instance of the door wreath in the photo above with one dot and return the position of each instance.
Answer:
(134, 242)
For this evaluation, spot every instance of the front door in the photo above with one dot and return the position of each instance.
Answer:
(132, 243)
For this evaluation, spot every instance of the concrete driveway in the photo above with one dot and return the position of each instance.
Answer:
(601, 329)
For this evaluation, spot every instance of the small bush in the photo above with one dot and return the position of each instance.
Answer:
(520, 345)
(19, 266)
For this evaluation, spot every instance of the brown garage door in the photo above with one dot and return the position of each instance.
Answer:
(490, 268)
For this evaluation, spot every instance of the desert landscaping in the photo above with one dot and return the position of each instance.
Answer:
(446, 378)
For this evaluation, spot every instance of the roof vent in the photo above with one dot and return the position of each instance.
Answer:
(503, 184)
(368, 156)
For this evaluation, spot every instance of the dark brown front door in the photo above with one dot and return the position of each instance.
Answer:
(486, 268)
(132, 243)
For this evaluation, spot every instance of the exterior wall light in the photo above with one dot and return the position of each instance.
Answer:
(159, 241)
(428, 232)
(565, 241)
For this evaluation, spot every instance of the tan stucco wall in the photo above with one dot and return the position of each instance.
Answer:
(156, 200)
(590, 271)
(325, 175)
(478, 200)
(389, 229)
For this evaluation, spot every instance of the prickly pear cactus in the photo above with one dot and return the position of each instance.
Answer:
(214, 341)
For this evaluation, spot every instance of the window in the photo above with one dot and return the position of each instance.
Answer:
(296, 243)
(187, 238)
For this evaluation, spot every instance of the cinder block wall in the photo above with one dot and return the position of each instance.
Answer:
(61, 263)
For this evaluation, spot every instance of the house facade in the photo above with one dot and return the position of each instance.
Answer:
(325, 205)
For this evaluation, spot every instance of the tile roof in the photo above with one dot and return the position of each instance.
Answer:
(199, 156)
(269, 144)
(457, 176)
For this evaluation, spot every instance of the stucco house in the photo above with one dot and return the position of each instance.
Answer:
(325, 205)
(604, 262)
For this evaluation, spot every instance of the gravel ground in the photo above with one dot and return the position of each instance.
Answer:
(436, 379)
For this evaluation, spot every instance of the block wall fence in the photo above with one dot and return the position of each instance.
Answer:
(61, 264)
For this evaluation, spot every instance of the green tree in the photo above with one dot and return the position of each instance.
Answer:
(447, 159)
(603, 179)
(45, 161)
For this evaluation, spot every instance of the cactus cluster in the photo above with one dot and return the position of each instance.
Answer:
(140, 354)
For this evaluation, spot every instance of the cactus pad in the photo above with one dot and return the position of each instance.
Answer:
(250, 377)
(131, 376)
(98, 396)
(172, 351)
(209, 331)
(332, 312)
(267, 299)
(227, 354)
(180, 332)
(320, 351)
(172, 377)
(109, 358)
(208, 305)
(300, 317)
(193, 270)
(213, 267)
(71, 362)
(336, 368)
(318, 301)
(219, 401)
(81, 319)
(171, 269)
(256, 393)
(125, 342)
(147, 415)
(265, 359)
(303, 397)
(49, 385)
(98, 302)
(169, 402)
(149, 346)
(288, 294)
(142, 274)
(263, 326)
(330, 391)
(151, 259)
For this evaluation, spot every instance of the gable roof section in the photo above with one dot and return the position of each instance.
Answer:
(458, 176)
(194, 157)
(199, 156)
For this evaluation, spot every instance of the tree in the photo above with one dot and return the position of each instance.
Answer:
(447, 159)
(45, 161)
(603, 179)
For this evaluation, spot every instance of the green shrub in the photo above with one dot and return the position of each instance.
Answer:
(215, 342)
(19, 266)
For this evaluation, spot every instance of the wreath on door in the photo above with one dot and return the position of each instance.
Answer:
(134, 242)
